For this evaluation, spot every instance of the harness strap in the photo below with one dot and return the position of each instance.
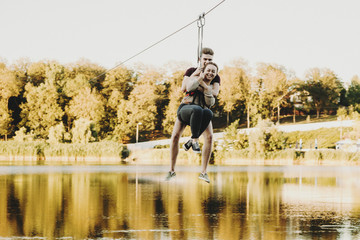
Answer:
(196, 94)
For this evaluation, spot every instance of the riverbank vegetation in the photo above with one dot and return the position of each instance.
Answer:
(265, 144)
(50, 110)
(74, 103)
(33, 151)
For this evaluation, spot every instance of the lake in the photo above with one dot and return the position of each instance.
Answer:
(134, 202)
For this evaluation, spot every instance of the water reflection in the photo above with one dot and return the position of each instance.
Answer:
(135, 203)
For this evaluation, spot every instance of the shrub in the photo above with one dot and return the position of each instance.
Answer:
(56, 133)
(264, 139)
(233, 138)
(83, 131)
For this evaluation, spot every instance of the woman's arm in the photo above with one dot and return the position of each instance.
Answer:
(212, 89)
(208, 94)
(191, 83)
(215, 89)
(209, 100)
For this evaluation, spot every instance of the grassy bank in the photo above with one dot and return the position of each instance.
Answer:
(109, 152)
(230, 152)
(42, 151)
(241, 157)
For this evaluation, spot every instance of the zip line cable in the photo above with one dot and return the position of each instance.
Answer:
(201, 22)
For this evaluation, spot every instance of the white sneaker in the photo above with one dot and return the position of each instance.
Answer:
(196, 147)
(170, 175)
(205, 177)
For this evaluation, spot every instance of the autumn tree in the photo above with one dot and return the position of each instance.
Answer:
(237, 87)
(5, 119)
(93, 73)
(70, 87)
(87, 104)
(37, 73)
(276, 85)
(175, 96)
(230, 93)
(41, 110)
(117, 87)
(144, 104)
(20, 69)
(10, 87)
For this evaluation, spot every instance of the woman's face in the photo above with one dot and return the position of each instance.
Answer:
(210, 72)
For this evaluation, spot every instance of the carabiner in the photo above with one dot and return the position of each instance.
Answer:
(201, 20)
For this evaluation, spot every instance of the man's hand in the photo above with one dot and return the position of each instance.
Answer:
(197, 72)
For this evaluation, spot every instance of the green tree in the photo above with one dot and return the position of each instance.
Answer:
(353, 92)
(323, 86)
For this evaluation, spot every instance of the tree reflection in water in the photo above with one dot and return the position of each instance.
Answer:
(240, 203)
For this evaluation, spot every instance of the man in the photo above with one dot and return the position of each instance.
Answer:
(207, 55)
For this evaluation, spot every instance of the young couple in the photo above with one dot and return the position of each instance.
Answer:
(202, 85)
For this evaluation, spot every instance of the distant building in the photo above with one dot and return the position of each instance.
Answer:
(298, 99)
(348, 145)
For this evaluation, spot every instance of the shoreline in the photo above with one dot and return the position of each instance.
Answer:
(161, 157)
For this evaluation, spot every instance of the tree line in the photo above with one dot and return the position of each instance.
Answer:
(72, 103)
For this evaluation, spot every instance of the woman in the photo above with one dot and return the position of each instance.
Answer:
(192, 74)
(194, 109)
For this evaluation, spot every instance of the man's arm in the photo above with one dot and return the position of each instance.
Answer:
(191, 83)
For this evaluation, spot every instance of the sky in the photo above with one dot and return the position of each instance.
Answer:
(297, 34)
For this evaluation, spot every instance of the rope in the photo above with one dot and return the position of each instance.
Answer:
(202, 20)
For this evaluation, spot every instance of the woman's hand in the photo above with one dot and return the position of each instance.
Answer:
(197, 72)
(201, 77)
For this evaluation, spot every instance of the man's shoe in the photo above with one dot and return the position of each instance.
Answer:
(170, 175)
(196, 147)
(187, 145)
(205, 177)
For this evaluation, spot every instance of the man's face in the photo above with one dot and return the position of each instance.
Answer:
(205, 58)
